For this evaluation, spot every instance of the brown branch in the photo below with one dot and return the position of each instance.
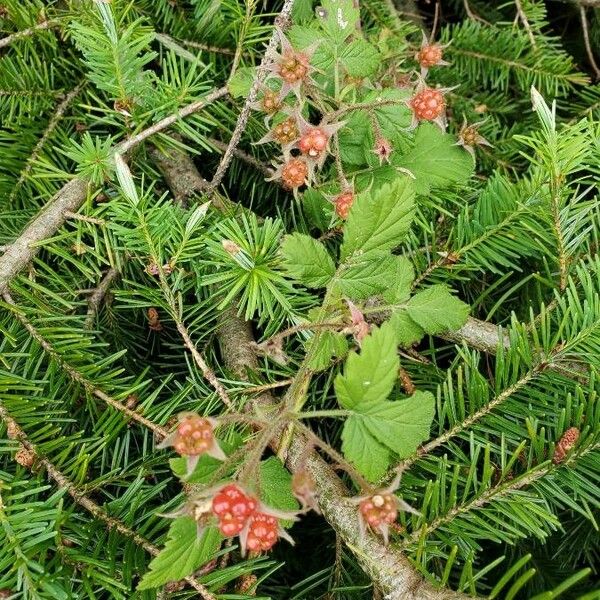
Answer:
(44, 225)
(6, 41)
(586, 41)
(64, 483)
(280, 22)
(98, 295)
(388, 568)
(71, 197)
(196, 106)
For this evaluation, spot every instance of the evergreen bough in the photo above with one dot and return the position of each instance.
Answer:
(407, 344)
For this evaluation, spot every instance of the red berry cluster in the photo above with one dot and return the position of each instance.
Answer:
(294, 173)
(343, 203)
(428, 104)
(194, 435)
(233, 508)
(313, 142)
(429, 55)
(263, 532)
(378, 510)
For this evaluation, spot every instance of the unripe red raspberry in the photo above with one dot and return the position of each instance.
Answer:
(343, 203)
(232, 501)
(429, 55)
(286, 132)
(271, 102)
(293, 67)
(313, 142)
(380, 509)
(294, 173)
(194, 436)
(262, 533)
(428, 104)
(470, 136)
(230, 526)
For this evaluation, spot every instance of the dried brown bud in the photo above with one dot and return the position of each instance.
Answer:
(246, 584)
(5, 593)
(25, 457)
(153, 320)
(131, 401)
(230, 247)
(565, 445)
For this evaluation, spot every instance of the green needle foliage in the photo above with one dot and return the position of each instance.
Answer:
(397, 274)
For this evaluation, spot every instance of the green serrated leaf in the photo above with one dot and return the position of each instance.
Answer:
(317, 209)
(359, 58)
(400, 283)
(436, 309)
(380, 219)
(239, 85)
(338, 18)
(183, 553)
(392, 118)
(276, 485)
(435, 160)
(370, 375)
(366, 274)
(371, 458)
(307, 260)
(406, 330)
(351, 138)
(401, 425)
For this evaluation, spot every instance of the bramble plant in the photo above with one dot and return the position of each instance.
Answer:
(315, 319)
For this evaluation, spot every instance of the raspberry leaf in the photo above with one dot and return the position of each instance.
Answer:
(183, 553)
(436, 309)
(307, 260)
(370, 457)
(370, 375)
(365, 275)
(276, 485)
(398, 287)
(329, 344)
(379, 220)
(400, 425)
(407, 331)
(338, 18)
(436, 161)
(359, 58)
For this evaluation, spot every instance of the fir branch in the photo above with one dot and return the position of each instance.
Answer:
(71, 197)
(472, 418)
(44, 225)
(54, 121)
(280, 23)
(496, 492)
(190, 109)
(77, 377)
(6, 41)
(64, 483)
